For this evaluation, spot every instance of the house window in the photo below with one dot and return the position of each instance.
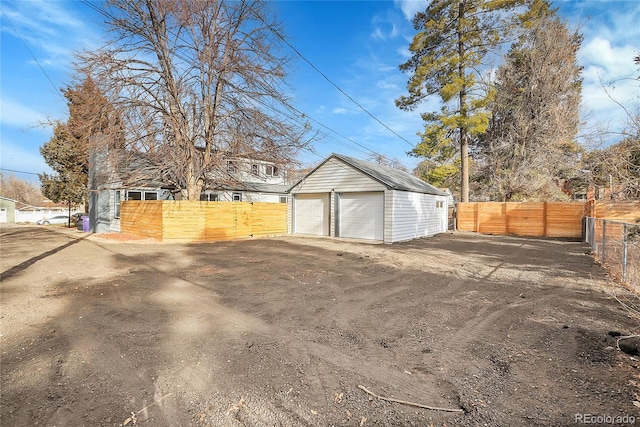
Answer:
(271, 170)
(237, 197)
(439, 204)
(208, 197)
(134, 195)
(116, 204)
(283, 199)
(231, 167)
(254, 170)
(142, 195)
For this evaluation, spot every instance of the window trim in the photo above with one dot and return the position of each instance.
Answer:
(143, 194)
(236, 197)
(209, 197)
(271, 170)
(116, 204)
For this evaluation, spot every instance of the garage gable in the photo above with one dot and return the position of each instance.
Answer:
(337, 175)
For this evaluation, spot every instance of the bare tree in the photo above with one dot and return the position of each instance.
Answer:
(197, 82)
(617, 168)
(529, 149)
(22, 191)
(387, 161)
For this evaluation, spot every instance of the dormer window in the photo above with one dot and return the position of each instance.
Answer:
(254, 170)
(231, 167)
(271, 170)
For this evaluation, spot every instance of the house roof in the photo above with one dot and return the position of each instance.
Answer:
(392, 178)
(258, 187)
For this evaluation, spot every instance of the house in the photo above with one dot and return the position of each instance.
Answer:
(7, 209)
(241, 179)
(351, 198)
(45, 209)
(17, 211)
(247, 180)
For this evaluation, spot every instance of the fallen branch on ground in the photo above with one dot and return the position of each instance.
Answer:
(132, 418)
(404, 402)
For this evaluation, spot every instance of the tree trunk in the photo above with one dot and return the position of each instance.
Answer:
(464, 166)
(194, 182)
(464, 137)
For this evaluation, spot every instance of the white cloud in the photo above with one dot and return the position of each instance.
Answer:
(16, 158)
(411, 7)
(377, 34)
(52, 30)
(615, 61)
(20, 116)
(609, 82)
(387, 84)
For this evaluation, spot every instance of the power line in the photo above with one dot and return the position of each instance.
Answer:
(56, 89)
(16, 171)
(281, 37)
(108, 15)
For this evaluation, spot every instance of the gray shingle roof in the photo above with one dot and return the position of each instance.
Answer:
(392, 178)
(252, 186)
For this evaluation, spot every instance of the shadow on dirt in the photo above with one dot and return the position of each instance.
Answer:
(270, 332)
(26, 264)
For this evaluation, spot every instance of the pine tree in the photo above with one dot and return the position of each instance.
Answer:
(448, 52)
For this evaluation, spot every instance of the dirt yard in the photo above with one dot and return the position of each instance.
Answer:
(283, 331)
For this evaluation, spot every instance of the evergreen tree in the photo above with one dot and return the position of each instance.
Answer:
(67, 152)
(448, 52)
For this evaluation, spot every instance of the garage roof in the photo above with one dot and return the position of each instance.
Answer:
(392, 178)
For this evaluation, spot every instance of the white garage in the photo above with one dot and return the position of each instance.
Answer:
(311, 214)
(351, 198)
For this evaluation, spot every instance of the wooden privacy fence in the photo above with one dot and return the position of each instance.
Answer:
(168, 220)
(623, 210)
(544, 219)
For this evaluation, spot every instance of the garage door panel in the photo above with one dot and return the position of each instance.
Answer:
(312, 214)
(362, 215)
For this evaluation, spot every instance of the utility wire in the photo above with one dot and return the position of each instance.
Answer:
(56, 89)
(264, 104)
(281, 37)
(16, 171)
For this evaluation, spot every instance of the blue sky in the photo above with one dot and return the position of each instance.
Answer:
(358, 45)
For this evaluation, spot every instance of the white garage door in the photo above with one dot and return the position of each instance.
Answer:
(311, 213)
(362, 215)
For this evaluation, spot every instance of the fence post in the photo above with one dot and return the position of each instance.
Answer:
(604, 238)
(593, 234)
(624, 253)
(587, 230)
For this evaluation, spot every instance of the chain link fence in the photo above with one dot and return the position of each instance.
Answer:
(616, 245)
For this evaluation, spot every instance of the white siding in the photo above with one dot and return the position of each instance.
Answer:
(416, 215)
(247, 196)
(335, 174)
(35, 215)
